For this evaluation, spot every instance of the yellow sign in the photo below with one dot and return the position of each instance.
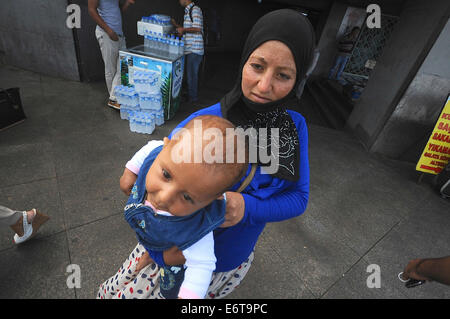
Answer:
(436, 154)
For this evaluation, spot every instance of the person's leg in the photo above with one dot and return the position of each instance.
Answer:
(110, 54)
(117, 76)
(127, 283)
(343, 62)
(9, 217)
(170, 280)
(24, 223)
(332, 72)
(223, 283)
(196, 60)
(189, 72)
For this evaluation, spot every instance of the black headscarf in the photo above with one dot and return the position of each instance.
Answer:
(294, 30)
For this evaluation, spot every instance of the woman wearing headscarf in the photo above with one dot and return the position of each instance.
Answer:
(277, 54)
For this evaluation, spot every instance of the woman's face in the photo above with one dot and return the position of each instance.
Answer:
(269, 73)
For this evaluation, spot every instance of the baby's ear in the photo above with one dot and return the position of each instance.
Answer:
(165, 141)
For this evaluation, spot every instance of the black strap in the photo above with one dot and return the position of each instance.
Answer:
(190, 13)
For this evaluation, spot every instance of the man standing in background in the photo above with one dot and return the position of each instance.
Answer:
(109, 34)
(194, 47)
(345, 48)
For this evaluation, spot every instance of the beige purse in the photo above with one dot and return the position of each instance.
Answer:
(248, 179)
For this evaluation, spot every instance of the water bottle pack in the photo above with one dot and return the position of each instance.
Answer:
(150, 101)
(142, 122)
(157, 114)
(143, 110)
(146, 81)
(158, 19)
(127, 96)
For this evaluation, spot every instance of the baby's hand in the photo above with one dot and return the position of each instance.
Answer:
(127, 181)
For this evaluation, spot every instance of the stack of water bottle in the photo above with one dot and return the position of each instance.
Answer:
(164, 43)
(156, 31)
(141, 105)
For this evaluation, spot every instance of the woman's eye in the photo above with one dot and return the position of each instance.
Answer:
(166, 174)
(284, 76)
(256, 66)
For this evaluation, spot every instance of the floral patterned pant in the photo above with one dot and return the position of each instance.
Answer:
(127, 283)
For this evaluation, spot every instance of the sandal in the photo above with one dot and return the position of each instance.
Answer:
(30, 229)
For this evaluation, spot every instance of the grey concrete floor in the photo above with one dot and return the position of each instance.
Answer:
(67, 157)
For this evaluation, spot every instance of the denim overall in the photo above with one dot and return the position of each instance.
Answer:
(158, 232)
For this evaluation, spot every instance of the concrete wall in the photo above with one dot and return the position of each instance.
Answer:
(34, 36)
(407, 131)
(419, 25)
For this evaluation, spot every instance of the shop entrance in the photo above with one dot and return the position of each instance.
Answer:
(367, 50)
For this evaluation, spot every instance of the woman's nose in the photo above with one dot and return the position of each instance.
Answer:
(265, 82)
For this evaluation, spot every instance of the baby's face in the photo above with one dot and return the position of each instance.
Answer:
(181, 188)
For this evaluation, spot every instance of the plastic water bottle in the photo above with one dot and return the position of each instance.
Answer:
(123, 112)
(128, 97)
(145, 127)
(139, 126)
(182, 48)
(137, 123)
(153, 38)
(142, 101)
(158, 101)
(135, 99)
(117, 93)
(131, 120)
(173, 47)
(148, 40)
(166, 44)
(150, 125)
(141, 123)
(160, 116)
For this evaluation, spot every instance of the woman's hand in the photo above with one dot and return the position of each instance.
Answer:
(127, 181)
(144, 261)
(235, 209)
(173, 257)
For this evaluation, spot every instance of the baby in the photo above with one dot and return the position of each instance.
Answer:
(177, 199)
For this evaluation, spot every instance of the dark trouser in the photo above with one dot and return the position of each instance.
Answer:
(339, 66)
(171, 279)
(192, 67)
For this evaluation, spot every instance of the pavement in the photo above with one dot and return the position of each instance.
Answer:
(366, 215)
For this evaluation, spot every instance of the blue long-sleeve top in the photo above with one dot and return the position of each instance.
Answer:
(267, 199)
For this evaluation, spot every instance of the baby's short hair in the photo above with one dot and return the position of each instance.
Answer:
(228, 151)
